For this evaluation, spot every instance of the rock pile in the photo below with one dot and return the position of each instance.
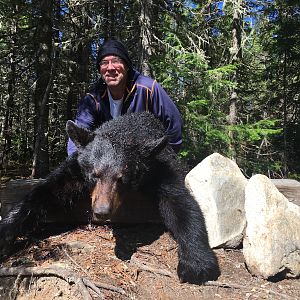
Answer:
(251, 213)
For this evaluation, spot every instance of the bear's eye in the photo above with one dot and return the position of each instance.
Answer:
(119, 178)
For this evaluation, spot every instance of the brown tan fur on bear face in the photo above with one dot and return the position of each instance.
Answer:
(105, 197)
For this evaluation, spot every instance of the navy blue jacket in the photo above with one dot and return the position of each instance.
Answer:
(142, 94)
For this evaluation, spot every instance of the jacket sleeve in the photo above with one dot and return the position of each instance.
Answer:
(165, 109)
(86, 117)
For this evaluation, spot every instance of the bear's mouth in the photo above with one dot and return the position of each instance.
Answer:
(101, 218)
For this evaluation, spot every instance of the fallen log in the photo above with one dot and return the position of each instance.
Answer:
(136, 212)
(290, 188)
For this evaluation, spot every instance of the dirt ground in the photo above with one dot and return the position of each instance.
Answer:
(142, 266)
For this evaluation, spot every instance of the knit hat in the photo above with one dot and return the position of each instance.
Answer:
(114, 47)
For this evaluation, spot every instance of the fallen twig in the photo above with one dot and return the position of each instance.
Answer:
(143, 267)
(73, 261)
(242, 287)
(223, 285)
(104, 238)
(94, 285)
(54, 271)
(83, 289)
(60, 235)
(14, 291)
(110, 287)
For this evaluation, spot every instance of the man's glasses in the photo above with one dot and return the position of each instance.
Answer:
(115, 62)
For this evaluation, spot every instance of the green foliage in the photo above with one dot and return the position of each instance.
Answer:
(202, 94)
(192, 58)
(256, 132)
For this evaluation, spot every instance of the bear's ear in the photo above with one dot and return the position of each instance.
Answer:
(79, 136)
(154, 147)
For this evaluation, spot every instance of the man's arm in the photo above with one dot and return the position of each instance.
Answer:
(165, 109)
(86, 117)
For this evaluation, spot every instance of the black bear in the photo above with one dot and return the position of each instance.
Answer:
(125, 157)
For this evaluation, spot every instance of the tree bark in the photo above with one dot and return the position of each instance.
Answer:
(285, 117)
(10, 103)
(106, 23)
(44, 71)
(145, 36)
(112, 17)
(78, 77)
(236, 55)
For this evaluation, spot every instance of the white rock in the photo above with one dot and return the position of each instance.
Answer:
(218, 185)
(272, 241)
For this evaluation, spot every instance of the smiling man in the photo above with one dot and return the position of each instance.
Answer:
(122, 89)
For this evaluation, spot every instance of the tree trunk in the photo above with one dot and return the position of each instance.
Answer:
(145, 36)
(78, 77)
(8, 121)
(44, 71)
(112, 17)
(109, 17)
(236, 52)
(83, 54)
(285, 113)
(106, 23)
(10, 103)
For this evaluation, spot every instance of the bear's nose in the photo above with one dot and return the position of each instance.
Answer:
(102, 210)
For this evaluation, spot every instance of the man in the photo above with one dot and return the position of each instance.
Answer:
(121, 90)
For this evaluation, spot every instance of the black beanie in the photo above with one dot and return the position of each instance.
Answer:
(114, 47)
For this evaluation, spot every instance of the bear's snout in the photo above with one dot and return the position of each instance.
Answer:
(102, 210)
(104, 199)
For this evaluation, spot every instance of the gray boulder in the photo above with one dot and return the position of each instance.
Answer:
(272, 240)
(218, 186)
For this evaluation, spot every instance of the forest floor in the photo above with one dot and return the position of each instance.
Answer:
(147, 271)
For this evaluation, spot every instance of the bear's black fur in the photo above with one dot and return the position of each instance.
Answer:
(126, 157)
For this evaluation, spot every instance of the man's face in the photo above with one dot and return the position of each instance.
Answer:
(113, 71)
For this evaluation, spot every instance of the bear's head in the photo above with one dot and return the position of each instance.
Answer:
(114, 162)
